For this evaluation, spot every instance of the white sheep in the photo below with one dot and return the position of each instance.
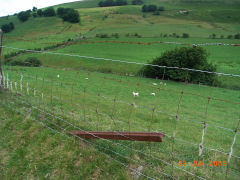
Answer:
(135, 94)
(153, 94)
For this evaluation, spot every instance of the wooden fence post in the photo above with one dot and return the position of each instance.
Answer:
(1, 74)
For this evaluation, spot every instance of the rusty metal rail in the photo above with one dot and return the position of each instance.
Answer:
(129, 136)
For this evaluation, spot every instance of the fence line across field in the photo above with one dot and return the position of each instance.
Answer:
(122, 61)
(212, 149)
(100, 138)
(145, 107)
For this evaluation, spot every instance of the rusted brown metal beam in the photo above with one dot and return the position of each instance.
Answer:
(129, 136)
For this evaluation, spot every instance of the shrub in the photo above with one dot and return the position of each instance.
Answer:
(185, 35)
(237, 36)
(230, 36)
(40, 12)
(212, 36)
(151, 8)
(49, 12)
(107, 3)
(34, 15)
(32, 62)
(193, 58)
(102, 35)
(161, 8)
(137, 2)
(68, 14)
(23, 16)
(156, 13)
(116, 35)
(7, 27)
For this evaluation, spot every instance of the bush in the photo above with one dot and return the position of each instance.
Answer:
(230, 36)
(137, 2)
(7, 27)
(23, 16)
(185, 35)
(108, 3)
(68, 14)
(40, 12)
(102, 35)
(151, 8)
(156, 13)
(32, 62)
(49, 12)
(193, 58)
(34, 15)
(237, 36)
(116, 35)
(161, 8)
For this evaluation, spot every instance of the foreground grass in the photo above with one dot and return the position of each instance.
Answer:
(29, 150)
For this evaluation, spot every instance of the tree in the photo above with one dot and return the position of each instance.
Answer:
(7, 27)
(144, 8)
(34, 9)
(23, 16)
(40, 12)
(121, 2)
(49, 12)
(192, 58)
(68, 14)
(137, 2)
(152, 8)
(149, 8)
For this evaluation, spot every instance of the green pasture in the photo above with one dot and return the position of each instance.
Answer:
(98, 95)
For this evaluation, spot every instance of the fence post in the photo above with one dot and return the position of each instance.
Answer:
(1, 74)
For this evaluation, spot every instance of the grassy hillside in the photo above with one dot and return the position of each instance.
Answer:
(69, 92)
(29, 150)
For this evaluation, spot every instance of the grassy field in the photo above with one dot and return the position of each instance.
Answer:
(25, 141)
(97, 95)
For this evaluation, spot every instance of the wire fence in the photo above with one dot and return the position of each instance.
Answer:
(200, 122)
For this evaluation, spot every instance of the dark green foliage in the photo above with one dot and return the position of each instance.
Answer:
(23, 16)
(212, 36)
(137, 2)
(7, 27)
(230, 36)
(29, 62)
(185, 35)
(108, 3)
(237, 36)
(40, 12)
(116, 35)
(193, 58)
(68, 14)
(102, 35)
(34, 15)
(49, 12)
(32, 62)
(149, 8)
(156, 13)
(161, 8)
(34, 9)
